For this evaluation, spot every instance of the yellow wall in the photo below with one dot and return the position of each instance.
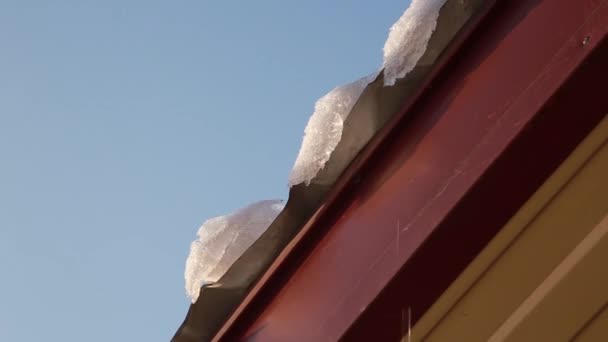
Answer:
(544, 277)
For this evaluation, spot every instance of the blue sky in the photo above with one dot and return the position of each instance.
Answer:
(125, 124)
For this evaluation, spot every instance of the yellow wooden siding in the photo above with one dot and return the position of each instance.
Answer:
(532, 281)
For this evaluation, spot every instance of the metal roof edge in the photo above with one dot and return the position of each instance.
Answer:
(220, 306)
(414, 85)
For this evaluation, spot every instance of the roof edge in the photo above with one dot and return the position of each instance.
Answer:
(303, 241)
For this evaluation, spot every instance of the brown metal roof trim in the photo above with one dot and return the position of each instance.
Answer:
(377, 106)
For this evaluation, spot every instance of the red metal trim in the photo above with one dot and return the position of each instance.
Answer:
(299, 246)
(418, 179)
(494, 199)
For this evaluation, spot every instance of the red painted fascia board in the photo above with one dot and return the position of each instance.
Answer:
(521, 169)
(417, 172)
(299, 246)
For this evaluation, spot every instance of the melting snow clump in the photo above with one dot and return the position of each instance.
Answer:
(324, 129)
(408, 38)
(222, 240)
(405, 45)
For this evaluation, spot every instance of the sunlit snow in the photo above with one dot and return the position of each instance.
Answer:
(408, 38)
(222, 240)
(324, 129)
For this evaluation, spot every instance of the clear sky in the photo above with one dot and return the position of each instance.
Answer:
(125, 124)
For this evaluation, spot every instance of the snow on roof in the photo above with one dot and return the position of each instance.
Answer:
(405, 45)
(222, 240)
(324, 129)
(408, 38)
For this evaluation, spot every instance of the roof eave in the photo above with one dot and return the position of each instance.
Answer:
(372, 161)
